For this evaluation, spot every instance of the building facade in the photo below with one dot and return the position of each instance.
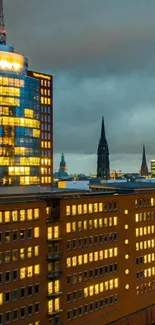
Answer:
(46, 126)
(73, 258)
(103, 165)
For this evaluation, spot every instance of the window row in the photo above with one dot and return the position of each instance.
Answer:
(20, 234)
(23, 312)
(144, 231)
(91, 307)
(20, 253)
(98, 288)
(140, 275)
(46, 83)
(148, 258)
(52, 232)
(90, 208)
(53, 305)
(11, 81)
(146, 202)
(53, 287)
(91, 257)
(144, 216)
(46, 110)
(46, 92)
(21, 293)
(145, 287)
(22, 273)
(91, 224)
(19, 215)
(91, 240)
(92, 273)
(145, 244)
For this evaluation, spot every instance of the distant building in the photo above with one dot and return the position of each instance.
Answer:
(103, 166)
(152, 168)
(144, 168)
(61, 173)
(62, 163)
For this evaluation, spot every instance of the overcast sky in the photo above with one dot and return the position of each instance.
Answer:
(102, 56)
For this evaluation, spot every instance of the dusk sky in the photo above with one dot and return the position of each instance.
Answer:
(102, 56)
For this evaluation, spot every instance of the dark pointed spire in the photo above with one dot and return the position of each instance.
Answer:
(2, 29)
(62, 163)
(103, 169)
(144, 168)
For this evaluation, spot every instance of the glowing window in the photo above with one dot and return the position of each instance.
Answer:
(106, 285)
(100, 207)
(85, 258)
(29, 271)
(15, 216)
(137, 232)
(56, 232)
(137, 246)
(36, 232)
(110, 252)
(136, 217)
(85, 292)
(127, 286)
(85, 225)
(80, 259)
(73, 210)
(101, 255)
(36, 213)
(145, 259)
(95, 256)
(152, 229)
(111, 284)
(74, 260)
(57, 304)
(90, 207)
(79, 225)
(126, 241)
(50, 288)
(110, 222)
(37, 269)
(126, 271)
(106, 253)
(50, 306)
(49, 233)
(85, 208)
(115, 221)
(68, 227)
(95, 207)
(23, 273)
(95, 223)
(56, 286)
(115, 251)
(116, 283)
(101, 287)
(141, 231)
(149, 272)
(126, 227)
(152, 243)
(126, 212)
(29, 214)
(1, 218)
(126, 256)
(68, 210)
(22, 215)
(74, 226)
(29, 252)
(105, 222)
(79, 209)
(22, 253)
(91, 291)
(90, 257)
(1, 298)
(96, 289)
(100, 223)
(68, 262)
(90, 224)
(141, 245)
(7, 216)
(36, 250)
(149, 230)
(145, 230)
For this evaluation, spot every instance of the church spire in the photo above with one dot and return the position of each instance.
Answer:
(144, 168)
(62, 163)
(2, 29)
(103, 169)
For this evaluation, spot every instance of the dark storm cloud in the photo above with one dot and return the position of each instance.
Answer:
(102, 54)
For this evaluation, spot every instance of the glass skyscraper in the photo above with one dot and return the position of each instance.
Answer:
(19, 121)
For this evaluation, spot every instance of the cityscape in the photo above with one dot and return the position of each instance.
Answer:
(75, 248)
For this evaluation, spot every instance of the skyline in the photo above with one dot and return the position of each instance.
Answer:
(105, 66)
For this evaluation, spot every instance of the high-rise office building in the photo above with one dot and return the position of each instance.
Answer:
(77, 258)
(26, 133)
(103, 165)
(46, 126)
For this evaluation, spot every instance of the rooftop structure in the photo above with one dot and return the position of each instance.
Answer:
(144, 168)
(103, 167)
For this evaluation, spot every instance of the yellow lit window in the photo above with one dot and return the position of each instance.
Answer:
(95, 256)
(152, 257)
(74, 260)
(137, 246)
(136, 217)
(79, 225)
(152, 202)
(145, 273)
(29, 252)
(101, 287)
(85, 292)
(100, 223)
(152, 229)
(68, 262)
(85, 224)
(74, 226)
(127, 286)
(68, 210)
(36, 213)
(85, 258)
(56, 286)
(145, 244)
(85, 208)
(7, 216)
(37, 269)
(90, 224)
(126, 241)
(106, 253)
(79, 209)
(126, 271)
(56, 232)
(96, 289)
(106, 286)
(110, 221)
(22, 253)
(141, 231)
(115, 283)
(153, 270)
(105, 222)
(127, 256)
(50, 306)
(68, 227)
(149, 230)
(100, 207)
(95, 223)
(111, 284)
(137, 232)
(36, 250)
(95, 207)
(1, 299)
(36, 232)
(50, 288)
(90, 257)
(145, 259)
(126, 227)
(22, 215)
(91, 291)
(49, 233)
(29, 271)
(80, 259)
(115, 221)
(14, 216)
(126, 212)
(110, 252)
(145, 230)
(90, 208)
(1, 218)
(29, 214)
(141, 245)
(73, 210)
(149, 272)
(57, 305)
(101, 255)
(149, 243)
(23, 273)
